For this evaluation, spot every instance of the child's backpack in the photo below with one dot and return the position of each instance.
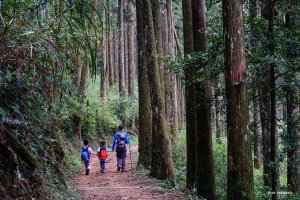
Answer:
(85, 155)
(103, 154)
(121, 141)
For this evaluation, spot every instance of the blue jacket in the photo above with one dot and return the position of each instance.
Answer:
(127, 141)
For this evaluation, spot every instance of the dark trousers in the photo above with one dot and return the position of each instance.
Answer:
(121, 157)
(87, 165)
(102, 165)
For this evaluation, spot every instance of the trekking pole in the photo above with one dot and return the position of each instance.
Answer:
(130, 157)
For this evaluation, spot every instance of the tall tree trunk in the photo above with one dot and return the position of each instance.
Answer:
(163, 154)
(256, 133)
(82, 90)
(239, 161)
(126, 53)
(269, 13)
(264, 107)
(293, 124)
(180, 97)
(109, 46)
(165, 49)
(121, 47)
(116, 53)
(190, 95)
(256, 113)
(205, 173)
(103, 69)
(157, 22)
(145, 114)
(131, 52)
(78, 68)
(293, 153)
(218, 113)
(284, 111)
(172, 78)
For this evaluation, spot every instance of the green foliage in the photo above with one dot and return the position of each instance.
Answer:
(124, 107)
(100, 115)
(210, 64)
(179, 159)
(41, 46)
(220, 156)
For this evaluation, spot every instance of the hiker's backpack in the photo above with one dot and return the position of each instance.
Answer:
(85, 155)
(103, 154)
(121, 140)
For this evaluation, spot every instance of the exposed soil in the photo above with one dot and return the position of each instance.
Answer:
(114, 185)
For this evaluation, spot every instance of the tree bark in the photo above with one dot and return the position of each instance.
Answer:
(103, 69)
(293, 153)
(205, 173)
(293, 124)
(165, 51)
(131, 52)
(256, 113)
(256, 133)
(218, 113)
(264, 107)
(145, 114)
(269, 14)
(116, 53)
(126, 52)
(163, 156)
(77, 77)
(82, 95)
(172, 78)
(157, 22)
(239, 161)
(109, 46)
(190, 95)
(121, 47)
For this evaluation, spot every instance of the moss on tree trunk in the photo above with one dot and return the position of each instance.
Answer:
(162, 157)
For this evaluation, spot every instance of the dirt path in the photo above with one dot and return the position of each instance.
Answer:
(114, 185)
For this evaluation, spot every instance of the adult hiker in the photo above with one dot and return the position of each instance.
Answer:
(121, 140)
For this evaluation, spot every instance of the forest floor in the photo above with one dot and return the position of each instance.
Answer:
(114, 185)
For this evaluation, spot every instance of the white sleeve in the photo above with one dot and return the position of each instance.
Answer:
(98, 150)
(90, 150)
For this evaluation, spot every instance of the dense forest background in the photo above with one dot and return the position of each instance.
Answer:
(208, 89)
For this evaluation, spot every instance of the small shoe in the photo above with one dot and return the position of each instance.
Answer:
(123, 170)
(119, 168)
(87, 172)
(103, 171)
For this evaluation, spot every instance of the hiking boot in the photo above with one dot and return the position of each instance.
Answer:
(119, 168)
(87, 172)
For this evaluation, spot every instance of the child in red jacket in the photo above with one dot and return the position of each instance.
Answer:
(102, 155)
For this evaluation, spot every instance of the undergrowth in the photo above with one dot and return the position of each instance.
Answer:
(220, 159)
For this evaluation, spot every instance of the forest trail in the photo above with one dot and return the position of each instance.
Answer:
(114, 185)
